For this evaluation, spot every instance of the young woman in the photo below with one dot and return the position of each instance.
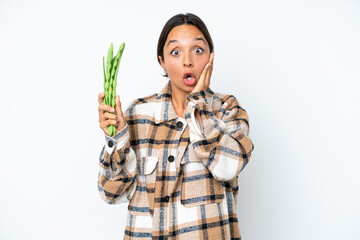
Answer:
(177, 154)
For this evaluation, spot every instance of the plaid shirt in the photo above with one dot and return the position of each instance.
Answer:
(180, 178)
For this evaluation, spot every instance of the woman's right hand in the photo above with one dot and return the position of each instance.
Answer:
(108, 118)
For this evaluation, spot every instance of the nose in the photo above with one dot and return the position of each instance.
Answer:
(188, 61)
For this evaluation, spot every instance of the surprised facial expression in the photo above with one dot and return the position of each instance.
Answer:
(186, 53)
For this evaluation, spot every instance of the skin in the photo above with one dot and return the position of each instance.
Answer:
(107, 118)
(184, 52)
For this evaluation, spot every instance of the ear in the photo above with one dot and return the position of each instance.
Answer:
(162, 63)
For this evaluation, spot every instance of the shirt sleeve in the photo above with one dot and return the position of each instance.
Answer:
(117, 174)
(221, 142)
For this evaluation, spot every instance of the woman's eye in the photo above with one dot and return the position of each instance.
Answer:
(199, 50)
(174, 52)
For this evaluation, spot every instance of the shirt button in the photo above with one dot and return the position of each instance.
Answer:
(110, 144)
(171, 158)
(179, 124)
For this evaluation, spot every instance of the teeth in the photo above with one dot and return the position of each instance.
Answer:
(189, 78)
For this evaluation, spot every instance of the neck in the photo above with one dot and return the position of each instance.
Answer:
(178, 100)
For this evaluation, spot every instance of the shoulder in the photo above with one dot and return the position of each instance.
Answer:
(230, 108)
(141, 104)
(226, 100)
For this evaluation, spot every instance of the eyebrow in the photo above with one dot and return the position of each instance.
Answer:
(195, 39)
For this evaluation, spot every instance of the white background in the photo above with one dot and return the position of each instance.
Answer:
(293, 65)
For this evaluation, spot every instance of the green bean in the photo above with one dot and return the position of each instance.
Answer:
(109, 59)
(104, 71)
(120, 52)
(110, 79)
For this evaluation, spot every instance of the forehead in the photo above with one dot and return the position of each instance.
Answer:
(184, 32)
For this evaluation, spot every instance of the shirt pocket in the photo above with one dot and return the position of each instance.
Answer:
(198, 186)
(143, 201)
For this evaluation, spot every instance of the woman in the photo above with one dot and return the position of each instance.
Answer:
(177, 154)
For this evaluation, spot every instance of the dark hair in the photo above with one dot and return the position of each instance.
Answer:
(177, 20)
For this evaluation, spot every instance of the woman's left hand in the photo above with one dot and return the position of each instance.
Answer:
(204, 81)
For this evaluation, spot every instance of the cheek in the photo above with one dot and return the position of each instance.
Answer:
(173, 67)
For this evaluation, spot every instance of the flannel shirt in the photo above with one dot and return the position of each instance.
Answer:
(179, 178)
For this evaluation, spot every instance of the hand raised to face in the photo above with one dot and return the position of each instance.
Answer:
(204, 81)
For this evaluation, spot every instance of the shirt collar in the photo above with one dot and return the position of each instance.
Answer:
(164, 110)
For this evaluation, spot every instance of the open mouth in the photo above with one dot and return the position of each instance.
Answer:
(189, 79)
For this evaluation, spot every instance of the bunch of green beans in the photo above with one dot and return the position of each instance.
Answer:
(110, 76)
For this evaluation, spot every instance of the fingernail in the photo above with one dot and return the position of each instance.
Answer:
(112, 109)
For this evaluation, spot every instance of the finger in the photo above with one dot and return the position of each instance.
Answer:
(208, 76)
(210, 69)
(212, 55)
(101, 97)
(117, 102)
(106, 131)
(105, 124)
(201, 83)
(119, 112)
(107, 116)
(206, 73)
(104, 107)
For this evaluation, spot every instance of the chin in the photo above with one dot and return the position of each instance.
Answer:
(190, 88)
(182, 86)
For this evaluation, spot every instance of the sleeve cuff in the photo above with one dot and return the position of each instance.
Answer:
(194, 127)
(210, 124)
(202, 96)
(118, 141)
